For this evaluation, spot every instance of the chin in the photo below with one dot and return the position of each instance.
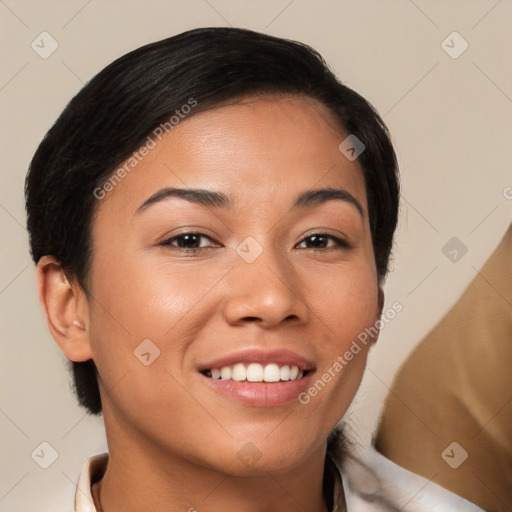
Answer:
(254, 458)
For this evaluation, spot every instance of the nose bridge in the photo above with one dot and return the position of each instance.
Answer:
(264, 286)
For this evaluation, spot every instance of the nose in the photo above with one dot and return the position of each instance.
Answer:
(266, 291)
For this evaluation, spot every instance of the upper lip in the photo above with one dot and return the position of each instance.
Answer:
(261, 356)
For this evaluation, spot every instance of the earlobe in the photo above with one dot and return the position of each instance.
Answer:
(65, 308)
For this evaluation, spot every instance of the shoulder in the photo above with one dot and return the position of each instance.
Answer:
(373, 482)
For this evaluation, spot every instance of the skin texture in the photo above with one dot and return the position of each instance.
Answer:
(173, 442)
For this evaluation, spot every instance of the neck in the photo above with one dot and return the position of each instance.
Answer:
(142, 477)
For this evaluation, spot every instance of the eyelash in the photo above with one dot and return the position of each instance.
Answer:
(342, 244)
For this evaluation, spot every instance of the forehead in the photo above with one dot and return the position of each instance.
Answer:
(254, 149)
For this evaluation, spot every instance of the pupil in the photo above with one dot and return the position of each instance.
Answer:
(317, 241)
(182, 242)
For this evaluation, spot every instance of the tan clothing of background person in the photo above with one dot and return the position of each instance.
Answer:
(448, 415)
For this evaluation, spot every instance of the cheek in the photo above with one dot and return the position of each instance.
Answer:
(139, 299)
(345, 299)
(146, 296)
(347, 309)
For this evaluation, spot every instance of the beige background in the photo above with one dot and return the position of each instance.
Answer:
(450, 120)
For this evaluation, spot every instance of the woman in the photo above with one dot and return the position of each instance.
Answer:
(212, 217)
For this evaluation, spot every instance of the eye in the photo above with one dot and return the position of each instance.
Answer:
(190, 242)
(320, 241)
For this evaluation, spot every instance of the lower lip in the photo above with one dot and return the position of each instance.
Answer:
(260, 394)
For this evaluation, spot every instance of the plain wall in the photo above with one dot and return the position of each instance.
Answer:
(449, 118)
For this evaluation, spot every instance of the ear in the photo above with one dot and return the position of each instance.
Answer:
(66, 310)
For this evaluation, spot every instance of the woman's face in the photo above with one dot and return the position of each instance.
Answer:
(183, 289)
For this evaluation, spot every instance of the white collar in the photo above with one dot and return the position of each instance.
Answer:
(374, 483)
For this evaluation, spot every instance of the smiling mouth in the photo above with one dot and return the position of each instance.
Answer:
(255, 372)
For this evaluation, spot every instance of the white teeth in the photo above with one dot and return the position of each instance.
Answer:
(255, 372)
(225, 373)
(238, 372)
(271, 373)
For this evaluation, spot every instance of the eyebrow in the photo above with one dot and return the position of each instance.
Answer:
(213, 199)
